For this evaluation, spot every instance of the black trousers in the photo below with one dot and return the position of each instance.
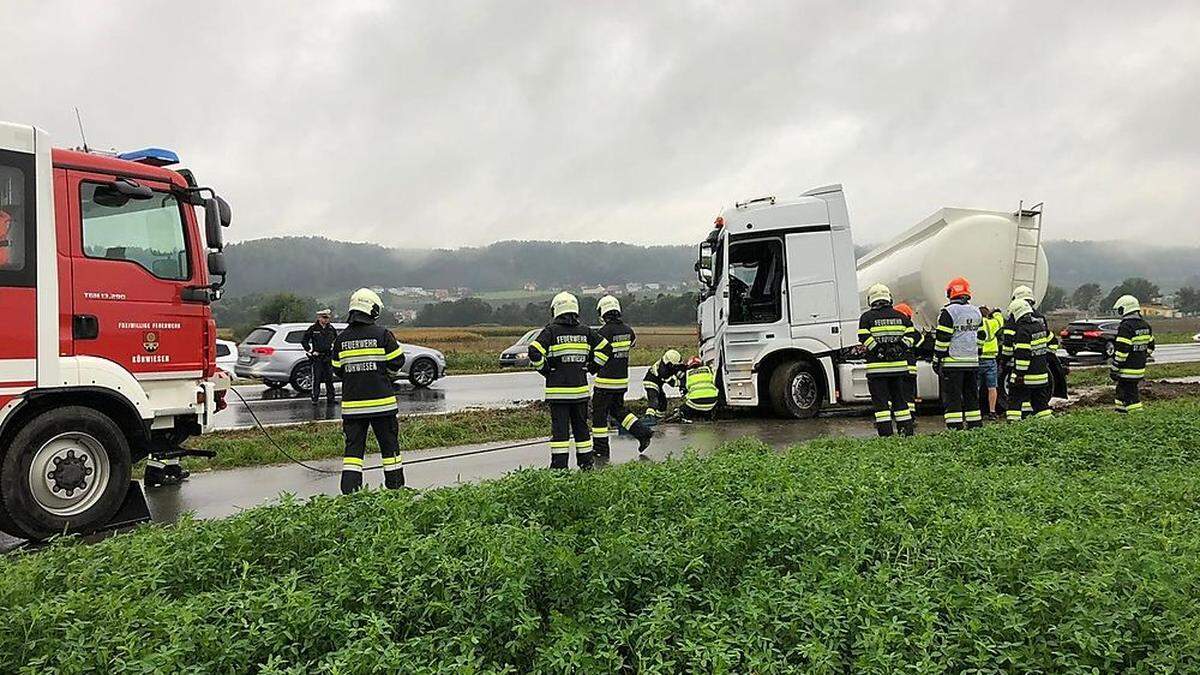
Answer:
(889, 397)
(1026, 401)
(1127, 397)
(910, 394)
(610, 404)
(322, 371)
(960, 397)
(656, 401)
(570, 419)
(387, 432)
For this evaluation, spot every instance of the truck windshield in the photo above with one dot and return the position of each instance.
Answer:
(145, 232)
(755, 281)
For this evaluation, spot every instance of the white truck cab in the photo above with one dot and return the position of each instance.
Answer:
(780, 295)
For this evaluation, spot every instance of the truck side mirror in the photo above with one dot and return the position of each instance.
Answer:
(225, 212)
(212, 224)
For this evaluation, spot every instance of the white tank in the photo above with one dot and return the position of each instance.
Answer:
(978, 245)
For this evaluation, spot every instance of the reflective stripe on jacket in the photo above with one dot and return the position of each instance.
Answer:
(562, 353)
(889, 337)
(367, 358)
(1135, 343)
(614, 374)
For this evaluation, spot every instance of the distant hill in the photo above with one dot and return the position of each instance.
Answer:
(315, 266)
(1109, 262)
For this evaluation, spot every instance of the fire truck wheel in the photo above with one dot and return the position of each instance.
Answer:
(66, 471)
(795, 390)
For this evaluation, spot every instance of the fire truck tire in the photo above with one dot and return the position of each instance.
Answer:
(795, 390)
(66, 471)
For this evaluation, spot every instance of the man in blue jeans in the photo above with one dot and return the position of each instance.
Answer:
(989, 371)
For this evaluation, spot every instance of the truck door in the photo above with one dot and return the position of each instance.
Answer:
(131, 259)
(812, 283)
(755, 307)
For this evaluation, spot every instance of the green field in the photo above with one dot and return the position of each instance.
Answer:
(1063, 545)
(1089, 377)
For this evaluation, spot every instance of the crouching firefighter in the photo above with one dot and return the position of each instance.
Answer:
(562, 353)
(612, 381)
(699, 391)
(368, 358)
(661, 374)
(1029, 377)
(1135, 343)
(888, 336)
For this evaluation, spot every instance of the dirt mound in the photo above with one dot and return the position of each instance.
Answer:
(1150, 390)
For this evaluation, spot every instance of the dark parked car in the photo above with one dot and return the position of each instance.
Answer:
(1090, 335)
(518, 353)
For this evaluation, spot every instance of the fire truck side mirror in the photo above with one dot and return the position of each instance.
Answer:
(212, 224)
(225, 212)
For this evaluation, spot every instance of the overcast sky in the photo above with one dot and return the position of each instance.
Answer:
(462, 123)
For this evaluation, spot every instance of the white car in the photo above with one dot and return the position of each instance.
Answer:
(227, 356)
(1196, 337)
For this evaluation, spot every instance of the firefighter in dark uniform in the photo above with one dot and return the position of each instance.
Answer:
(888, 336)
(612, 381)
(1135, 343)
(564, 353)
(1007, 332)
(910, 382)
(699, 391)
(956, 356)
(318, 344)
(661, 374)
(368, 358)
(1029, 376)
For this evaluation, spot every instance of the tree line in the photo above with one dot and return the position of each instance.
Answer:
(661, 310)
(1090, 296)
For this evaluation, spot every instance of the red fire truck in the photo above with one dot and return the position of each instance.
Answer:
(108, 351)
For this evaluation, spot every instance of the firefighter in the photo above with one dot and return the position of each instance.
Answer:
(956, 356)
(989, 352)
(1029, 377)
(6, 244)
(1135, 343)
(612, 381)
(888, 336)
(318, 344)
(910, 383)
(699, 391)
(663, 373)
(1007, 333)
(368, 358)
(563, 353)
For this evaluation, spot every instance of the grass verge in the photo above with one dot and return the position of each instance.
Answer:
(247, 447)
(1064, 545)
(1091, 377)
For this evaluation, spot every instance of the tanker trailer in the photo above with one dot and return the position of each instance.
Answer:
(996, 251)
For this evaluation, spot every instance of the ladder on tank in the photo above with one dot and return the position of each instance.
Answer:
(1029, 239)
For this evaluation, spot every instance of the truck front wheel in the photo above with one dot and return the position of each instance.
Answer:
(796, 390)
(66, 471)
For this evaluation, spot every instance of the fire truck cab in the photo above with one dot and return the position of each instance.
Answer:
(106, 280)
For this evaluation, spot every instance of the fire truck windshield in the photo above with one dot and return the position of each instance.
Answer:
(147, 232)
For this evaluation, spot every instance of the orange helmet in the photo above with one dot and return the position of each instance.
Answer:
(904, 309)
(958, 288)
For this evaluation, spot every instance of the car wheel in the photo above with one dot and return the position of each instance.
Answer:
(302, 377)
(1073, 351)
(274, 384)
(422, 373)
(1110, 348)
(67, 470)
(796, 390)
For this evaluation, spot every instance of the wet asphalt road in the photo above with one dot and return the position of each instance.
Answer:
(461, 392)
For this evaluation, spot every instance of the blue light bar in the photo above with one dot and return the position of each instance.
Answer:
(151, 156)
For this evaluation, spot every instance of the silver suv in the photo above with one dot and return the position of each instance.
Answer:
(272, 353)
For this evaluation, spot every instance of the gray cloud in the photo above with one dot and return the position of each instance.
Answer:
(444, 124)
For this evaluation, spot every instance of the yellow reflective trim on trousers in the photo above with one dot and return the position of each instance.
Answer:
(599, 432)
(388, 461)
(878, 365)
(353, 461)
(567, 392)
(883, 415)
(629, 421)
(369, 403)
(612, 382)
(651, 385)
(1041, 414)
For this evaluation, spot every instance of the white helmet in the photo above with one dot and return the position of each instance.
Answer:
(1024, 293)
(672, 357)
(1018, 308)
(325, 312)
(1126, 304)
(878, 293)
(564, 303)
(608, 304)
(366, 301)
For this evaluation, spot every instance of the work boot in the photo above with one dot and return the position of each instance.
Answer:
(559, 460)
(585, 460)
(906, 428)
(351, 481)
(394, 479)
(643, 434)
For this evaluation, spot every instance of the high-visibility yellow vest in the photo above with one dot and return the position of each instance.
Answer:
(701, 388)
(991, 329)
